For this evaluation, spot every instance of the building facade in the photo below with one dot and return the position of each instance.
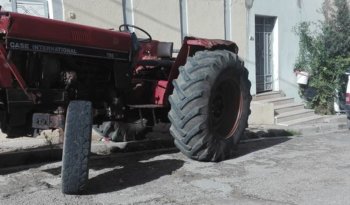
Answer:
(272, 45)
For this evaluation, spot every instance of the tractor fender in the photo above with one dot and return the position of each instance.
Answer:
(212, 44)
(190, 46)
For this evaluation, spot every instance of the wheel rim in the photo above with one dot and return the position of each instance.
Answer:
(225, 108)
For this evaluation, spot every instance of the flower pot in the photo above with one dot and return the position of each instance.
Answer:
(302, 77)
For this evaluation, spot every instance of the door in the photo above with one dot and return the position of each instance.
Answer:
(31, 7)
(263, 53)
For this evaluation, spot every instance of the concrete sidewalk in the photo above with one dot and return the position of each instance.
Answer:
(51, 139)
(48, 146)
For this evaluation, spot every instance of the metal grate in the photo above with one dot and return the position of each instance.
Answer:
(32, 7)
(263, 51)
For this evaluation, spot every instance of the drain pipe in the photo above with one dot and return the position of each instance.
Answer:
(248, 6)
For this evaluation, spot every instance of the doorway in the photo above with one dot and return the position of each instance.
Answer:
(264, 38)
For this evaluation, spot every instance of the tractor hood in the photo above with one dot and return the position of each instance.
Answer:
(24, 32)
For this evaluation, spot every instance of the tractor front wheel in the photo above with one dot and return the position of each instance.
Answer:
(76, 147)
(210, 105)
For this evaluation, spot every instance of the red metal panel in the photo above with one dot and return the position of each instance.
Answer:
(7, 68)
(4, 23)
(48, 30)
(5, 73)
(8, 65)
(160, 92)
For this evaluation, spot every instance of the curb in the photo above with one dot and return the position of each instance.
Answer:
(54, 153)
(30, 156)
(311, 130)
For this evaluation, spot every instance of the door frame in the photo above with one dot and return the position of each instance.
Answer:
(274, 51)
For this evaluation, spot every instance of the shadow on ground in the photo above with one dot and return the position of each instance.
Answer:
(125, 172)
(255, 141)
(248, 147)
(136, 170)
(132, 174)
(269, 133)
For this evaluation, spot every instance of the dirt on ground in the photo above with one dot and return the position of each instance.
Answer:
(283, 170)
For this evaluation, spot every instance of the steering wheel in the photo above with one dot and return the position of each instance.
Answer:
(125, 27)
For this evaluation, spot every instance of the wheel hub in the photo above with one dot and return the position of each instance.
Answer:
(225, 108)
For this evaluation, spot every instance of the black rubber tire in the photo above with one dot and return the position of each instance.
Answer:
(76, 147)
(202, 131)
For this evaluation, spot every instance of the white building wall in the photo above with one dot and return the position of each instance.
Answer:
(289, 14)
(159, 18)
(103, 14)
(6, 5)
(206, 18)
(239, 23)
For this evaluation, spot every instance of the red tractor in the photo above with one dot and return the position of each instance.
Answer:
(55, 74)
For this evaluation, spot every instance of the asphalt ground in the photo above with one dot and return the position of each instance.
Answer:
(311, 169)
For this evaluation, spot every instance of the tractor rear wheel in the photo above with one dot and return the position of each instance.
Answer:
(210, 105)
(76, 147)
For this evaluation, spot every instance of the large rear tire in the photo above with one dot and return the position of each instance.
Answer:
(76, 147)
(210, 105)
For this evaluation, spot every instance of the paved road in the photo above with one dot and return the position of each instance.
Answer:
(298, 170)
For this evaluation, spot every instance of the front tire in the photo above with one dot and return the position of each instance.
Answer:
(210, 105)
(76, 147)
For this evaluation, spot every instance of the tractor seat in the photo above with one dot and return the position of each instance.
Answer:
(165, 50)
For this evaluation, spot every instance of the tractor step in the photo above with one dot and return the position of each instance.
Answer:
(151, 106)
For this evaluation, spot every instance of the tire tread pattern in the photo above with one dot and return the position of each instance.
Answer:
(76, 147)
(189, 101)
